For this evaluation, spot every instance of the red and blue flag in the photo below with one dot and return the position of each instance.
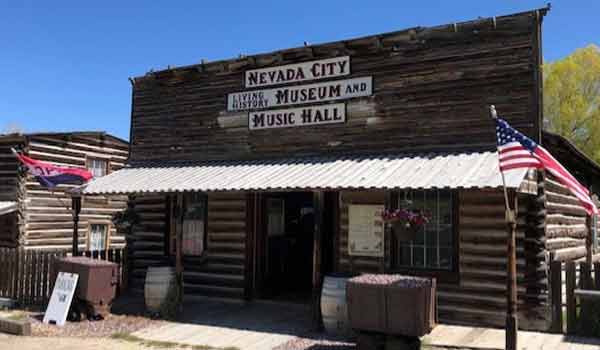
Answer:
(519, 151)
(50, 175)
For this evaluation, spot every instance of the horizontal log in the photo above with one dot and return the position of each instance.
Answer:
(559, 198)
(556, 208)
(552, 185)
(562, 219)
(559, 243)
(566, 231)
(568, 254)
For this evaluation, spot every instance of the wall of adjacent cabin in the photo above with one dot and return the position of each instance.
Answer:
(479, 294)
(11, 189)
(47, 213)
(566, 227)
(431, 89)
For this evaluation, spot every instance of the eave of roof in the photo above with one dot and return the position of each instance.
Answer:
(422, 171)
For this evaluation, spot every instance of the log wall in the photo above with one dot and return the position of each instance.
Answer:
(221, 272)
(431, 88)
(44, 216)
(217, 273)
(148, 246)
(565, 229)
(11, 189)
(479, 295)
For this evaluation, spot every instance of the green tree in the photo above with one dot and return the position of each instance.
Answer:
(572, 99)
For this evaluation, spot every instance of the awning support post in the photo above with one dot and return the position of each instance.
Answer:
(179, 210)
(76, 210)
(319, 207)
(511, 325)
(511, 305)
(589, 252)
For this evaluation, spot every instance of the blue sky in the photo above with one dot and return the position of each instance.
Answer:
(64, 64)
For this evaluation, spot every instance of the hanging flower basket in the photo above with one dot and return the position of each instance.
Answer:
(404, 232)
(405, 223)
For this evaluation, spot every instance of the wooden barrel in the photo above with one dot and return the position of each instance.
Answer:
(333, 305)
(158, 282)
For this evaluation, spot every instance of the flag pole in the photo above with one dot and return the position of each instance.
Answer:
(511, 325)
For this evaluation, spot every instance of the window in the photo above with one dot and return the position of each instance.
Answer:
(194, 223)
(98, 167)
(434, 246)
(98, 237)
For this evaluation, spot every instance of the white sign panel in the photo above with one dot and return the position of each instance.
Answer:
(291, 117)
(61, 298)
(313, 70)
(365, 230)
(292, 95)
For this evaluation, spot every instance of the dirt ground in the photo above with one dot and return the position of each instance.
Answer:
(65, 343)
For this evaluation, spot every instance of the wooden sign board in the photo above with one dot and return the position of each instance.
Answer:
(291, 73)
(365, 230)
(61, 298)
(300, 94)
(292, 117)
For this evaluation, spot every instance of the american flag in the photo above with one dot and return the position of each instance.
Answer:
(518, 151)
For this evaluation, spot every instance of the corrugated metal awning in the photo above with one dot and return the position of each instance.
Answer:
(7, 207)
(465, 170)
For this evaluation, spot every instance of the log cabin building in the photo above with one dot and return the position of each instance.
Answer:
(35, 217)
(273, 169)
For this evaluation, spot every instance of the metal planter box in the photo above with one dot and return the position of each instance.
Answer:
(97, 280)
(401, 305)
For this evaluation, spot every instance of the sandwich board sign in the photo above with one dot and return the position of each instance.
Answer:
(61, 298)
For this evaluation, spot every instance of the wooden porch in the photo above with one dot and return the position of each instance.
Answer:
(464, 337)
(246, 326)
(265, 326)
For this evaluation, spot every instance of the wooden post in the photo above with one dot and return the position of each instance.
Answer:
(250, 243)
(556, 295)
(511, 325)
(76, 209)
(319, 205)
(179, 208)
(589, 251)
(597, 275)
(511, 312)
(571, 304)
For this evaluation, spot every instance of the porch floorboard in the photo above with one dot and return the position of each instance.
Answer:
(252, 326)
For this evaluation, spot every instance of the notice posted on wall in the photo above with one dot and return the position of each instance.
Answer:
(61, 298)
(365, 230)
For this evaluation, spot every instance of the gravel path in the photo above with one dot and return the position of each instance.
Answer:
(66, 343)
(103, 328)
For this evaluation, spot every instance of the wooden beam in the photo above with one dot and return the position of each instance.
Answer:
(556, 295)
(571, 304)
(319, 206)
(179, 243)
(512, 325)
(589, 252)
(76, 209)
(249, 245)
(590, 294)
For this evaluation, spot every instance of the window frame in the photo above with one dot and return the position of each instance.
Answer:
(443, 275)
(89, 159)
(172, 237)
(108, 225)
